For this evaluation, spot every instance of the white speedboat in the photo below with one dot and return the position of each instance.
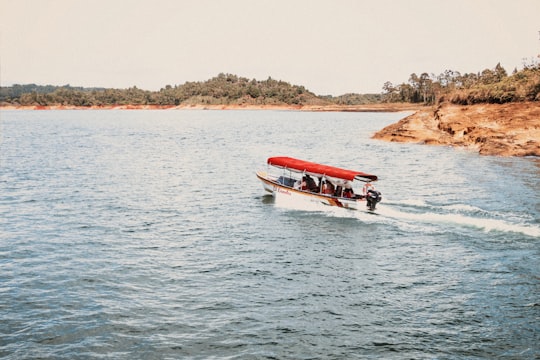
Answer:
(304, 180)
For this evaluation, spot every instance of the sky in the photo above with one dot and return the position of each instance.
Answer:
(331, 47)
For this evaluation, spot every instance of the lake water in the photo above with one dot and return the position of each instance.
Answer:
(145, 234)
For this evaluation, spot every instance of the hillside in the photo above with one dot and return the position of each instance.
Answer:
(224, 89)
(492, 86)
(490, 112)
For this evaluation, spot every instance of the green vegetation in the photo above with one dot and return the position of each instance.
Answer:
(224, 89)
(355, 99)
(490, 86)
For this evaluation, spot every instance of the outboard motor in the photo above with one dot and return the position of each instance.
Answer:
(372, 198)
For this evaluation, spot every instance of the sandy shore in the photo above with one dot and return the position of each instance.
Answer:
(351, 108)
(506, 130)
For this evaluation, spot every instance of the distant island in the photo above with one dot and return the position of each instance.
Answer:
(489, 111)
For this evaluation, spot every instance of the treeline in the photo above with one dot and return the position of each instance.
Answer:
(488, 86)
(354, 99)
(224, 89)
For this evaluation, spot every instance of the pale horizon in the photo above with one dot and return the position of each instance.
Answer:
(331, 48)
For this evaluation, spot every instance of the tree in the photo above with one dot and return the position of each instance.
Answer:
(390, 92)
(500, 72)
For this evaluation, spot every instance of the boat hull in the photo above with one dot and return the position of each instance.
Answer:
(279, 190)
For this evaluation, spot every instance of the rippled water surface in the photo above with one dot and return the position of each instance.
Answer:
(145, 234)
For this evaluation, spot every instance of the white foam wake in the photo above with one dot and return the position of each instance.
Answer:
(460, 219)
(388, 213)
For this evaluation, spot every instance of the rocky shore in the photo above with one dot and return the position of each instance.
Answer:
(511, 129)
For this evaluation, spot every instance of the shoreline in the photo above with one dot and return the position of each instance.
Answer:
(393, 107)
(511, 129)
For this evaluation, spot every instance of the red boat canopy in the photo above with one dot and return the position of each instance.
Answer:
(318, 169)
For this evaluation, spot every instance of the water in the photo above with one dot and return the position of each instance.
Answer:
(145, 234)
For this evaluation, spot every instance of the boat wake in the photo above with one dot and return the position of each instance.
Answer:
(417, 215)
(461, 215)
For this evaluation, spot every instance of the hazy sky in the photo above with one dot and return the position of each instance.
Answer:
(330, 47)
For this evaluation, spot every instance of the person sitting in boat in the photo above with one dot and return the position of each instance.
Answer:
(348, 191)
(311, 185)
(327, 188)
(301, 185)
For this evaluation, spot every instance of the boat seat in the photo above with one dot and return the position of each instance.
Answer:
(287, 181)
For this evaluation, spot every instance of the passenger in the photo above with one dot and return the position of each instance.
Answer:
(328, 188)
(348, 191)
(310, 183)
(303, 184)
(331, 188)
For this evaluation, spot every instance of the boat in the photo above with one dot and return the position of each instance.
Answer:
(305, 180)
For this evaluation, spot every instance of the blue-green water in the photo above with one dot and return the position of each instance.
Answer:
(145, 234)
